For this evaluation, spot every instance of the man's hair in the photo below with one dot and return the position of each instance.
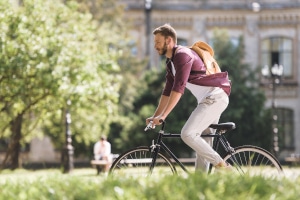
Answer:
(166, 30)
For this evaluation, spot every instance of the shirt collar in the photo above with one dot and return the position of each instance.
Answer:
(173, 51)
(173, 54)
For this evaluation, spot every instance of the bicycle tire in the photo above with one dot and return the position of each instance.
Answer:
(137, 161)
(253, 160)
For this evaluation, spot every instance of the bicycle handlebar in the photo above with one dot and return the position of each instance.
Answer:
(151, 126)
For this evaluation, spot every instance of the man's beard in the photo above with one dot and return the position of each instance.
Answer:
(164, 50)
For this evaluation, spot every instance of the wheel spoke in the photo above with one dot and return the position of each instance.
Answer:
(254, 160)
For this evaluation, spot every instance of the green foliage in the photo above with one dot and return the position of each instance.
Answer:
(113, 33)
(51, 53)
(51, 184)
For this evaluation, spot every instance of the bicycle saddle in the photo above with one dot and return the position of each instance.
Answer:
(227, 126)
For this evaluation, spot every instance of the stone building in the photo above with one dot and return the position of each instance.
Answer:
(271, 31)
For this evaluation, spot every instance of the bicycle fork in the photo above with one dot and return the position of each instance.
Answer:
(154, 148)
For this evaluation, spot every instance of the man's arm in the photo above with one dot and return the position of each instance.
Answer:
(167, 105)
(161, 106)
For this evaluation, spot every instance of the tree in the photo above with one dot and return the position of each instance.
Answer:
(51, 53)
(131, 70)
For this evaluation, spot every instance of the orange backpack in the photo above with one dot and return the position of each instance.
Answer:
(206, 53)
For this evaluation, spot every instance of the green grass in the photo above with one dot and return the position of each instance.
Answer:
(84, 184)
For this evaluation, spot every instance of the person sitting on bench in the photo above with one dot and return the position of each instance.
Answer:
(102, 151)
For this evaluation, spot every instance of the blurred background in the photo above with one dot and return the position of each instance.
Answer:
(74, 70)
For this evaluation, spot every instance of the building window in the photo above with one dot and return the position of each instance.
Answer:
(285, 125)
(278, 50)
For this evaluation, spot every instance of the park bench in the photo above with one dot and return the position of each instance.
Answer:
(293, 159)
(99, 164)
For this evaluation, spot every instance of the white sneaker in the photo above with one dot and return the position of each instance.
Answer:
(227, 168)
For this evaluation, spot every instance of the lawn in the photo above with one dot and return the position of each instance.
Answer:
(85, 184)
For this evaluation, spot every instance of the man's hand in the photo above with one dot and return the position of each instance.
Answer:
(158, 120)
(148, 120)
(155, 121)
(149, 123)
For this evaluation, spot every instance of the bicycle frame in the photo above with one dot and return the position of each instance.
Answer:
(160, 144)
(155, 148)
(244, 159)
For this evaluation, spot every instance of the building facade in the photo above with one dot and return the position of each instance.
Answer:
(271, 32)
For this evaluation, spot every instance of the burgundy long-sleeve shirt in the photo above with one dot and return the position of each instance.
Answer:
(190, 68)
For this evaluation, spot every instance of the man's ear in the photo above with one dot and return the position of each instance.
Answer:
(168, 40)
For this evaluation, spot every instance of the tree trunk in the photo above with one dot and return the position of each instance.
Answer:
(11, 159)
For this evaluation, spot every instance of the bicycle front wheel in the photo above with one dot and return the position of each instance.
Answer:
(253, 160)
(137, 162)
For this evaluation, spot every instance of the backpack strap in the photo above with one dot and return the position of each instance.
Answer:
(193, 72)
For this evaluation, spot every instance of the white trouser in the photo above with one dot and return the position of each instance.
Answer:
(207, 112)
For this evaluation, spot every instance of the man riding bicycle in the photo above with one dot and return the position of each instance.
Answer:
(185, 69)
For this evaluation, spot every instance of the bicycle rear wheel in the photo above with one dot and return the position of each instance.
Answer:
(137, 161)
(253, 160)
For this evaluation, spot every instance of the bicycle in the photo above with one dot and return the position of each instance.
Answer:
(147, 160)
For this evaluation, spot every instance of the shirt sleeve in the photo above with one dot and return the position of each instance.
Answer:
(182, 64)
(169, 82)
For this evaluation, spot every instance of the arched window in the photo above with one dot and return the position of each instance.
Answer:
(278, 50)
